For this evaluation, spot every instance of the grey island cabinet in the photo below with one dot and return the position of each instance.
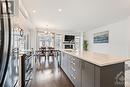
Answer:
(93, 69)
(72, 68)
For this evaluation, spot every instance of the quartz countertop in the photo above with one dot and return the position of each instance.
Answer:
(98, 59)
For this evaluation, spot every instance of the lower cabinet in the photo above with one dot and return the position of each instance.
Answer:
(64, 63)
(75, 71)
(79, 72)
(87, 74)
(62, 60)
(84, 74)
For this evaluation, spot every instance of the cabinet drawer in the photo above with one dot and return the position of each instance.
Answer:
(75, 70)
(75, 62)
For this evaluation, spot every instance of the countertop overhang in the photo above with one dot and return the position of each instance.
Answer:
(98, 59)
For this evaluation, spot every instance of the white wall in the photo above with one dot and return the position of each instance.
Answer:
(119, 33)
(129, 38)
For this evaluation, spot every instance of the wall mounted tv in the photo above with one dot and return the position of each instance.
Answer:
(69, 38)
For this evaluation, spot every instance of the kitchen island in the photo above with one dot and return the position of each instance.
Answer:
(89, 69)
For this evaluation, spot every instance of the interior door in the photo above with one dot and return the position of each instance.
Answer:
(5, 39)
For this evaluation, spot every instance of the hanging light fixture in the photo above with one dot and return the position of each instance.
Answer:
(47, 32)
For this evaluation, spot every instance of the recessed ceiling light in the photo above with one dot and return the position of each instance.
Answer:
(49, 32)
(60, 10)
(45, 32)
(34, 11)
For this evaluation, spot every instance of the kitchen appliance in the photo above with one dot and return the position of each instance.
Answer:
(69, 38)
(5, 40)
(69, 42)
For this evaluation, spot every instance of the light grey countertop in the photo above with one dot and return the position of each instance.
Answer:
(97, 58)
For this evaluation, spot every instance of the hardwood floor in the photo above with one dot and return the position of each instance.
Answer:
(48, 74)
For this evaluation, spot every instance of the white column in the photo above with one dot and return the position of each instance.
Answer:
(129, 37)
(81, 42)
(33, 37)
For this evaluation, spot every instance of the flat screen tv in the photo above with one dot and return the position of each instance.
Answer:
(69, 37)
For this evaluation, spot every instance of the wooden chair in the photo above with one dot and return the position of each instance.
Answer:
(42, 51)
(51, 53)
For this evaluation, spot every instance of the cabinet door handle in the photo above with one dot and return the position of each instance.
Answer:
(73, 69)
(73, 63)
(73, 59)
(73, 76)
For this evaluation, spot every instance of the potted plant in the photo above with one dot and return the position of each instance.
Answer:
(85, 45)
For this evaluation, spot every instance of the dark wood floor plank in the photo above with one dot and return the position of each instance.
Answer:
(48, 74)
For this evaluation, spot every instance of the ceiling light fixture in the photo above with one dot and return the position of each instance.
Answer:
(34, 11)
(60, 10)
(47, 32)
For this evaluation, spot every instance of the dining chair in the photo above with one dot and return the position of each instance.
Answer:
(51, 53)
(42, 51)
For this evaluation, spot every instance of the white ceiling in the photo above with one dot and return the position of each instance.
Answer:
(76, 15)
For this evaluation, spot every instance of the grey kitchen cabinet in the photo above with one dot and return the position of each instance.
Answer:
(72, 68)
(67, 66)
(110, 76)
(75, 71)
(62, 60)
(65, 63)
(87, 74)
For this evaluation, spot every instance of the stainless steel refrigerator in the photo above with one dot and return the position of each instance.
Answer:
(5, 44)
